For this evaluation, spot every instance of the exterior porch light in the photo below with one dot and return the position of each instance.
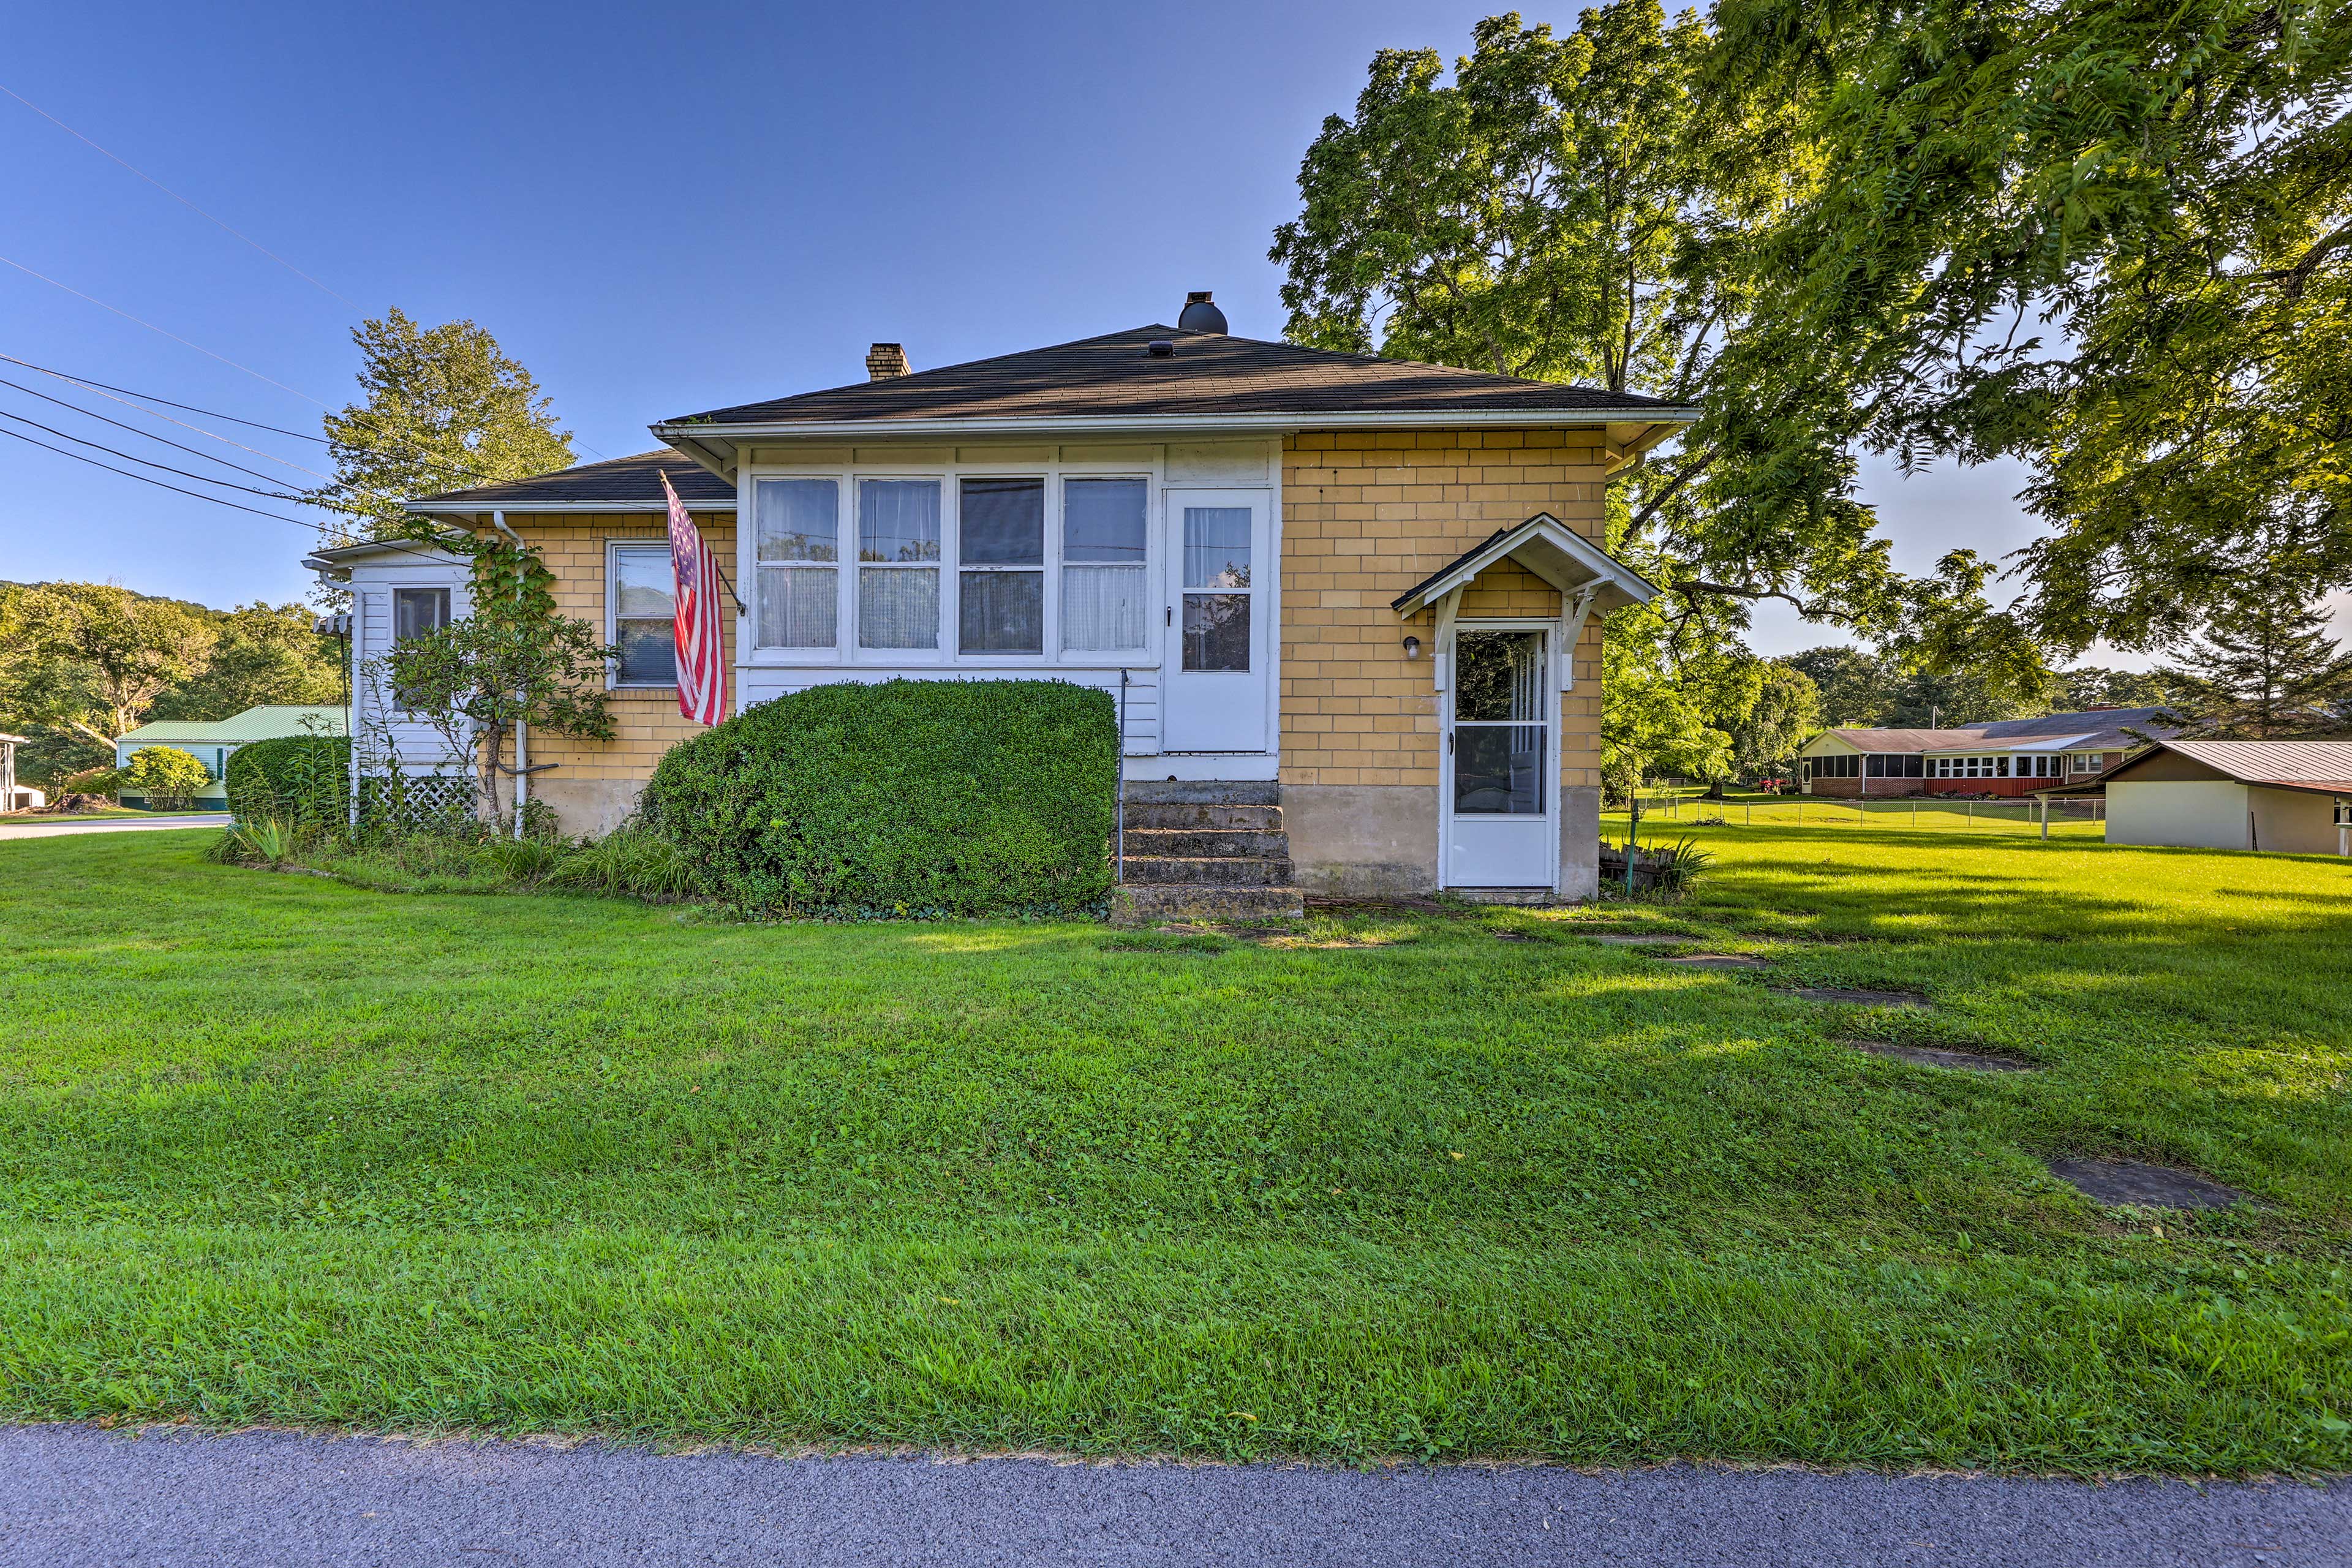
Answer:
(1412, 647)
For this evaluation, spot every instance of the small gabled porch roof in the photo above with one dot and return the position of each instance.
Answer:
(1553, 552)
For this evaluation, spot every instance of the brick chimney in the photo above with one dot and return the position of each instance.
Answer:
(886, 362)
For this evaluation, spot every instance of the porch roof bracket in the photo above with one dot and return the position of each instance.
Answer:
(1441, 656)
(1573, 613)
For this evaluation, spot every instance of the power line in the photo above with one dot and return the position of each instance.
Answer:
(142, 479)
(108, 391)
(159, 331)
(190, 408)
(173, 195)
(318, 527)
(149, 462)
(143, 435)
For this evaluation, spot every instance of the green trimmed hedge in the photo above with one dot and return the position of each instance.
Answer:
(910, 797)
(301, 779)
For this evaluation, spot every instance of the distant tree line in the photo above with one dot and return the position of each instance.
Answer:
(82, 662)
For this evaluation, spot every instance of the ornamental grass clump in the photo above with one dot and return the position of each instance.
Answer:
(905, 798)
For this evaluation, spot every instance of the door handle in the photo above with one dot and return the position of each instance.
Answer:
(1171, 616)
(1449, 742)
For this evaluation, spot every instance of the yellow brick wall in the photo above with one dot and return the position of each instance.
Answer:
(645, 721)
(1365, 517)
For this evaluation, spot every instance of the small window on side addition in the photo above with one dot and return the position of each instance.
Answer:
(2344, 814)
(644, 615)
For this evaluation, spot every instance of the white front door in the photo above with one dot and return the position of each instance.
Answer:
(1500, 779)
(1219, 638)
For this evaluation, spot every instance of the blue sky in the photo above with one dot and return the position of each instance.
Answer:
(655, 210)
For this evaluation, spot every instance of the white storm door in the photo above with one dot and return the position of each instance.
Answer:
(1218, 637)
(1501, 777)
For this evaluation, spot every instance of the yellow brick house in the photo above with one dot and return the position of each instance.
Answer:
(1351, 606)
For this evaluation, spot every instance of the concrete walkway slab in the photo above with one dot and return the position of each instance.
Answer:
(72, 1497)
(33, 827)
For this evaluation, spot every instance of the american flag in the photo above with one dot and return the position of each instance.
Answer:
(701, 652)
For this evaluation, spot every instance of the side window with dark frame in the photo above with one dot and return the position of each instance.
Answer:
(415, 611)
(641, 593)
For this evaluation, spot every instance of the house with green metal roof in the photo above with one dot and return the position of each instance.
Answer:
(213, 741)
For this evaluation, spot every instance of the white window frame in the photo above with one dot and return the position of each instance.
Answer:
(1048, 571)
(847, 652)
(851, 630)
(747, 568)
(613, 549)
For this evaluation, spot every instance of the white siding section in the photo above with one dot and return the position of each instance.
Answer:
(758, 683)
(418, 747)
(2186, 814)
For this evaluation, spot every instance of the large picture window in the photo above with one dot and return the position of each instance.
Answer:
(640, 592)
(1001, 531)
(1103, 581)
(797, 546)
(899, 563)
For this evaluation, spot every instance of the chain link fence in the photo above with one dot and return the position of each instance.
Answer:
(1925, 813)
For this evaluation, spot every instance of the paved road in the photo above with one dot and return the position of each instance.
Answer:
(34, 828)
(75, 1496)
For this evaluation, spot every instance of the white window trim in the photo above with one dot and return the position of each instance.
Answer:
(612, 549)
(848, 631)
(847, 654)
(843, 567)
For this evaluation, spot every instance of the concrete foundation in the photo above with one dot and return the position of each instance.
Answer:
(1580, 842)
(587, 806)
(1377, 840)
(1362, 840)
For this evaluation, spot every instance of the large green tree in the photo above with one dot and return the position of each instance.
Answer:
(93, 658)
(261, 653)
(1558, 208)
(445, 409)
(2112, 238)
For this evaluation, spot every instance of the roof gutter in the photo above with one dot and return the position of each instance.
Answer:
(692, 431)
(531, 507)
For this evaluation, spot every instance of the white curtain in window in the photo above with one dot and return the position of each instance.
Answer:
(799, 606)
(1102, 608)
(898, 606)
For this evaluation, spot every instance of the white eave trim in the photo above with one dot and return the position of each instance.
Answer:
(1603, 571)
(530, 508)
(1164, 423)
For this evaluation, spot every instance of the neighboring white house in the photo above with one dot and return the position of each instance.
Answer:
(213, 741)
(2287, 798)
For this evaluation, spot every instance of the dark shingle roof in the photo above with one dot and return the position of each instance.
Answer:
(619, 481)
(1209, 374)
(2100, 730)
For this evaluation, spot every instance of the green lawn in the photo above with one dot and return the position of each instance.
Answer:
(278, 1149)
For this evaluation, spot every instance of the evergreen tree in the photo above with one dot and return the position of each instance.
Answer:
(445, 409)
(2266, 669)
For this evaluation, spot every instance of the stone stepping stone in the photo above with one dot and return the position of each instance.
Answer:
(2121, 1183)
(1933, 1057)
(1720, 960)
(1856, 998)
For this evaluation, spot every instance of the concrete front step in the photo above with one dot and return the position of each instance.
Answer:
(1191, 814)
(1137, 903)
(1214, 870)
(1197, 841)
(1204, 792)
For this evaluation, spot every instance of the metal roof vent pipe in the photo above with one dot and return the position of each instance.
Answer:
(886, 362)
(1200, 314)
